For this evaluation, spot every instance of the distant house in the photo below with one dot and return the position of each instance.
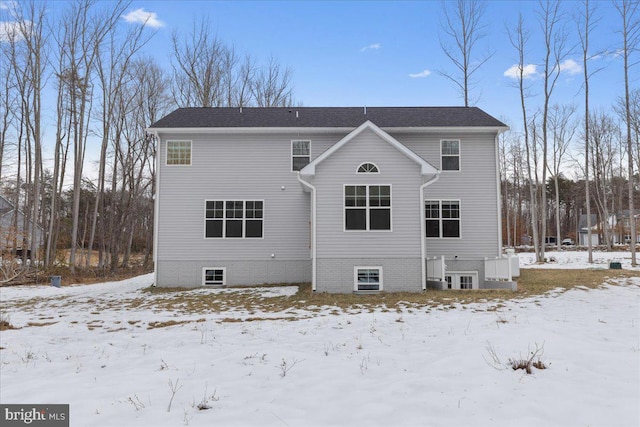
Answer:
(349, 199)
(9, 232)
(583, 230)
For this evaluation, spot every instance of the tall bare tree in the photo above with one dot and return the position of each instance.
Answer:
(272, 85)
(629, 11)
(83, 33)
(519, 37)
(586, 24)
(463, 29)
(563, 128)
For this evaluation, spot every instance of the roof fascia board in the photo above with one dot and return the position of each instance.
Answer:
(318, 129)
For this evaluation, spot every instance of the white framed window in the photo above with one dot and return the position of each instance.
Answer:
(457, 280)
(234, 219)
(300, 154)
(450, 154)
(214, 276)
(442, 218)
(367, 208)
(367, 278)
(179, 153)
(368, 167)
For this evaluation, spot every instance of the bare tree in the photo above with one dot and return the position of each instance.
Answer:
(586, 24)
(463, 30)
(563, 128)
(272, 86)
(197, 63)
(629, 11)
(519, 38)
(83, 33)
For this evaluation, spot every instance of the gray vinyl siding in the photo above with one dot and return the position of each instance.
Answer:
(474, 185)
(396, 170)
(234, 167)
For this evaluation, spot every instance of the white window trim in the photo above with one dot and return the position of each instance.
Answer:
(224, 201)
(361, 267)
(459, 156)
(299, 155)
(204, 276)
(368, 173)
(367, 208)
(166, 152)
(474, 285)
(440, 219)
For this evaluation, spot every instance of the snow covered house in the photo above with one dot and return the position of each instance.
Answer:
(349, 199)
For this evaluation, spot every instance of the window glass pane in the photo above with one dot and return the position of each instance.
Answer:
(368, 279)
(299, 162)
(450, 147)
(450, 163)
(213, 228)
(355, 219)
(234, 209)
(379, 195)
(254, 228)
(300, 148)
(380, 219)
(233, 228)
(355, 195)
(451, 228)
(450, 209)
(178, 152)
(432, 209)
(367, 168)
(433, 228)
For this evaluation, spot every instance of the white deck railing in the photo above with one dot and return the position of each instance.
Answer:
(436, 268)
(502, 268)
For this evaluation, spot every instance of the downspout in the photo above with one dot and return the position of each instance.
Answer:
(498, 191)
(313, 230)
(156, 210)
(423, 240)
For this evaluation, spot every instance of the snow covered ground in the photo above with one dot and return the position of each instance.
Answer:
(91, 347)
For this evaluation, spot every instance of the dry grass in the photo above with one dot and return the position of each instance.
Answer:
(532, 282)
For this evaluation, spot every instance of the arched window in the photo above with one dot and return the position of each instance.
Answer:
(368, 168)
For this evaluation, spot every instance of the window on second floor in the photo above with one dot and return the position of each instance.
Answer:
(450, 149)
(368, 168)
(300, 154)
(179, 153)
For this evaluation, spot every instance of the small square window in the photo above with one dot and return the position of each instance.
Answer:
(368, 278)
(179, 153)
(214, 276)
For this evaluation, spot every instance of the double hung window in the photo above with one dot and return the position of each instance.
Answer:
(234, 218)
(450, 150)
(442, 218)
(367, 207)
(300, 154)
(179, 153)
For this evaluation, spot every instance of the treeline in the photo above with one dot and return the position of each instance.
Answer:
(77, 82)
(566, 196)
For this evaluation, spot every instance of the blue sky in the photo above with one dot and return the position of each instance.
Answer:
(379, 53)
(388, 53)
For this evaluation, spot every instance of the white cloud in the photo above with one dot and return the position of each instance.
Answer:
(9, 5)
(10, 30)
(374, 46)
(570, 66)
(528, 71)
(424, 73)
(140, 16)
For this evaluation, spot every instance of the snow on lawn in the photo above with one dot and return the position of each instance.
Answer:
(445, 366)
(577, 259)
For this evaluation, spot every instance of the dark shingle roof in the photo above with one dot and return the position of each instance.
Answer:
(279, 117)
